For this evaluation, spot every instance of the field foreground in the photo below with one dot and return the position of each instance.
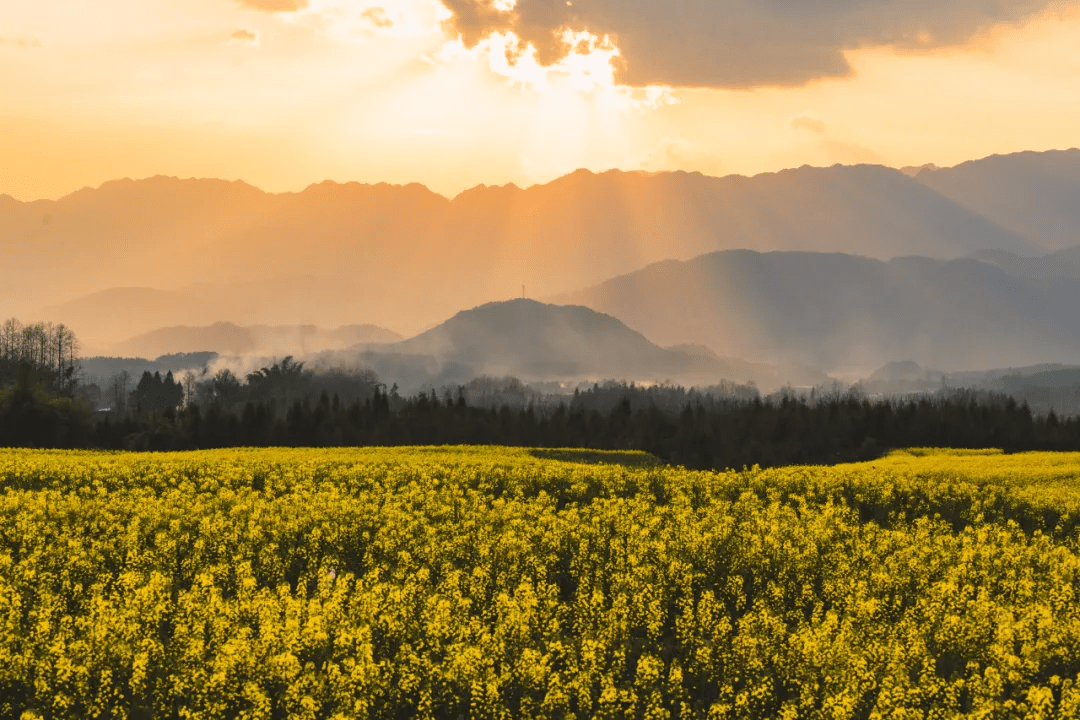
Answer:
(477, 582)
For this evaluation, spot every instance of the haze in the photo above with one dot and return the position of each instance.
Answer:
(285, 93)
(435, 190)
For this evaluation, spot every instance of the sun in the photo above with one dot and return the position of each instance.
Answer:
(587, 65)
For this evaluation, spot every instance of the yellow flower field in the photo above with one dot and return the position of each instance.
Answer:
(491, 582)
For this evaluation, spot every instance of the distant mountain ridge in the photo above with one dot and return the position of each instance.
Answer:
(111, 317)
(264, 340)
(103, 371)
(843, 312)
(1030, 193)
(404, 257)
(535, 341)
(1061, 264)
(524, 339)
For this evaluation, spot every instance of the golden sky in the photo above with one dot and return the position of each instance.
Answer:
(284, 93)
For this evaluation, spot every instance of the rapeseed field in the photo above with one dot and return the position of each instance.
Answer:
(503, 583)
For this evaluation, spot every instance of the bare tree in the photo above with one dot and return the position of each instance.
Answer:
(9, 339)
(41, 352)
(64, 349)
(189, 388)
(120, 391)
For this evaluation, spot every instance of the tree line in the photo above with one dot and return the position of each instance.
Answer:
(40, 353)
(732, 434)
(287, 404)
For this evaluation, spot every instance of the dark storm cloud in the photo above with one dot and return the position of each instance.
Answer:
(738, 43)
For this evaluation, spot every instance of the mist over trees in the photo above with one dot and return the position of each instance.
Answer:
(280, 385)
(285, 403)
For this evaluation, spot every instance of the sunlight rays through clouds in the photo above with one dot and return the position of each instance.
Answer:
(456, 93)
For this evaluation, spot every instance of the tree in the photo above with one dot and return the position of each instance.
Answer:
(120, 391)
(225, 385)
(43, 352)
(155, 394)
(282, 382)
(34, 417)
(189, 388)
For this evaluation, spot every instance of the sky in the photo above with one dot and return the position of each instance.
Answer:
(452, 94)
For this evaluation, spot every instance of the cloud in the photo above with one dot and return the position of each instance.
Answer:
(245, 35)
(735, 43)
(275, 5)
(377, 16)
(21, 42)
(804, 122)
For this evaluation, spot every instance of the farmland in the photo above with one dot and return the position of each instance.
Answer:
(493, 582)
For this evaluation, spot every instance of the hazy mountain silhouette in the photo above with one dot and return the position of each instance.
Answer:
(903, 371)
(1058, 378)
(1043, 387)
(267, 340)
(404, 257)
(110, 317)
(538, 339)
(842, 312)
(102, 319)
(1063, 263)
(903, 377)
(1033, 194)
(102, 371)
(585, 223)
(535, 341)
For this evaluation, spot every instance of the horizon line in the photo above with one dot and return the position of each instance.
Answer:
(512, 185)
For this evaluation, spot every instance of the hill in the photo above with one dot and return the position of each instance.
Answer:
(540, 342)
(537, 340)
(405, 257)
(102, 371)
(1061, 264)
(1032, 194)
(843, 312)
(267, 340)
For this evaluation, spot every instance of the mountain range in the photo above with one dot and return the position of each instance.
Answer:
(1032, 194)
(837, 268)
(197, 252)
(848, 313)
(263, 340)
